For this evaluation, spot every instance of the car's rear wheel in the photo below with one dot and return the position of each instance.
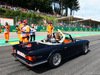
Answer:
(85, 49)
(55, 60)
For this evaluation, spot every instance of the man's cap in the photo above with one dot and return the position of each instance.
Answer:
(20, 20)
(50, 22)
(25, 21)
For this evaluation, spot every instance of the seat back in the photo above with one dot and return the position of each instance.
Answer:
(67, 41)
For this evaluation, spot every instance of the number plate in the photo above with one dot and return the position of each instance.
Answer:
(21, 54)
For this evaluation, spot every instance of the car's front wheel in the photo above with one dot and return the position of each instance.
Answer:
(55, 60)
(85, 49)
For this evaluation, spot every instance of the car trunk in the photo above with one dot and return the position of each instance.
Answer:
(25, 48)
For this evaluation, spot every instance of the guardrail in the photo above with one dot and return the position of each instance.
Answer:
(42, 28)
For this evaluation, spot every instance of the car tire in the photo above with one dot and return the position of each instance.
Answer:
(55, 60)
(85, 49)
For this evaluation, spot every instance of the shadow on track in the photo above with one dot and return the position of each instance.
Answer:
(45, 67)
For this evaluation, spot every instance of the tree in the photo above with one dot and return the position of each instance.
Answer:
(53, 2)
(45, 5)
(56, 10)
(7, 13)
(71, 4)
(74, 6)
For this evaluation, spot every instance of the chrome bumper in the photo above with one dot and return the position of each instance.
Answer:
(30, 65)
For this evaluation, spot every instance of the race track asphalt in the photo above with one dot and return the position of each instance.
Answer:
(88, 64)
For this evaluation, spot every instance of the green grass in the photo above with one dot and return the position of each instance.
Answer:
(47, 17)
(12, 13)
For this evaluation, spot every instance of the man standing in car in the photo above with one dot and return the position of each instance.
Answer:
(25, 32)
(50, 28)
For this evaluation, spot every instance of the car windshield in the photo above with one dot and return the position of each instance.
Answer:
(67, 35)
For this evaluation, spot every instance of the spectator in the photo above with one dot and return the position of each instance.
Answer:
(44, 20)
(38, 11)
(26, 10)
(60, 25)
(32, 33)
(73, 25)
(15, 8)
(84, 26)
(35, 26)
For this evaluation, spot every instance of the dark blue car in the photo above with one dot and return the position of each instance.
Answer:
(36, 53)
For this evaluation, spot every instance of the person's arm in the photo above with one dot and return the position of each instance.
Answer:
(34, 30)
(27, 30)
(20, 27)
(61, 34)
(4, 26)
(52, 29)
(8, 27)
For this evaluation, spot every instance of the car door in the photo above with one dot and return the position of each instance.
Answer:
(75, 47)
(71, 48)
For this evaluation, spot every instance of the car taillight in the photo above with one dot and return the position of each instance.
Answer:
(13, 49)
(30, 58)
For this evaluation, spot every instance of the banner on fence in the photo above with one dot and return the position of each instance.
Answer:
(42, 28)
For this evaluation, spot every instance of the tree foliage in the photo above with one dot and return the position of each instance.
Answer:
(45, 5)
(65, 4)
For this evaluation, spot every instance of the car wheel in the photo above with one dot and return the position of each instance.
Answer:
(85, 49)
(55, 60)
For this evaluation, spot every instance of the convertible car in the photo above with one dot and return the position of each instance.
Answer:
(39, 52)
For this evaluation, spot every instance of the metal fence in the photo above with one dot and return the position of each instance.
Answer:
(37, 21)
(30, 21)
